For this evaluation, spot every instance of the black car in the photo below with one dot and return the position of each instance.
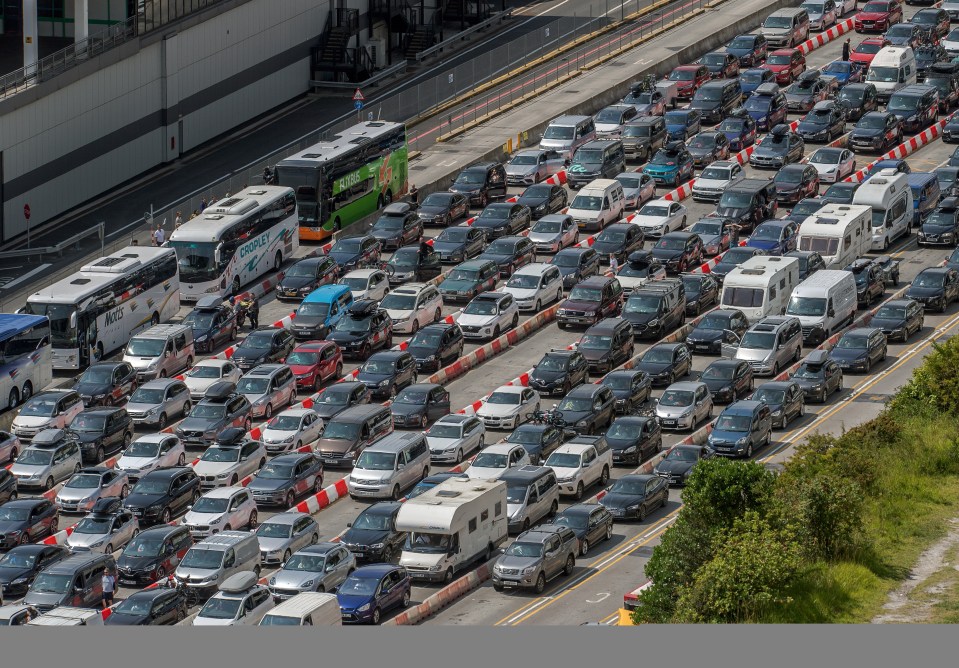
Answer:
(101, 431)
(953, 159)
(503, 219)
(305, 276)
(575, 264)
(591, 523)
(588, 408)
(751, 49)
(796, 182)
(436, 345)
(264, 345)
(543, 199)
(941, 227)
(356, 253)
(840, 193)
(809, 262)
(630, 387)
(950, 131)
(419, 404)
(397, 226)
(387, 372)
(678, 463)
(153, 554)
(634, 438)
(805, 208)
(927, 55)
(339, 396)
(823, 123)
(666, 362)
(539, 440)
(876, 131)
(733, 258)
(716, 328)
(481, 183)
(287, 477)
(818, 376)
(858, 349)
(859, 99)
(702, 292)
(25, 521)
(458, 244)
(785, 398)
(634, 496)
(707, 147)
(558, 372)
(8, 484)
(870, 282)
(20, 565)
(161, 606)
(443, 208)
(162, 494)
(106, 383)
(728, 380)
(372, 536)
(679, 251)
(935, 288)
(364, 328)
(213, 322)
(413, 263)
(619, 240)
(899, 319)
(948, 178)
(510, 253)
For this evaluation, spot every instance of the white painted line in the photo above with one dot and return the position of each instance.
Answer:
(27, 275)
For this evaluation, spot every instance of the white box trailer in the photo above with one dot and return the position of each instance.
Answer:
(760, 286)
(839, 232)
(452, 525)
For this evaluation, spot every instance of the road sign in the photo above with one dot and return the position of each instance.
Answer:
(358, 104)
(358, 96)
(26, 211)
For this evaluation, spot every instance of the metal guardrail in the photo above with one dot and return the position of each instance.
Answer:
(350, 85)
(99, 229)
(446, 43)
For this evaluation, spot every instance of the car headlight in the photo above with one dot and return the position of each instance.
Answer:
(431, 358)
(154, 410)
(742, 441)
(654, 322)
(20, 581)
(153, 365)
(529, 571)
(211, 578)
(629, 450)
(99, 397)
(436, 568)
(817, 387)
(308, 584)
(377, 546)
(260, 401)
(633, 507)
(589, 313)
(155, 508)
(222, 476)
(99, 542)
(383, 383)
(777, 413)
(364, 607)
(581, 423)
(14, 533)
(288, 439)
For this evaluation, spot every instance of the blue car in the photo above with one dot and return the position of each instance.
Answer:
(753, 78)
(372, 590)
(672, 165)
(845, 72)
(767, 106)
(776, 236)
(213, 322)
(682, 123)
(740, 429)
(897, 163)
(739, 128)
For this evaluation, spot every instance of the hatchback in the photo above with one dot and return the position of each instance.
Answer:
(372, 590)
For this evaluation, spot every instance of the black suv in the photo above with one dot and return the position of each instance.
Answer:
(630, 387)
(263, 346)
(503, 219)
(590, 301)
(728, 380)
(161, 495)
(398, 225)
(935, 288)
(20, 566)
(305, 276)
(355, 253)
(942, 225)
(101, 431)
(589, 408)
(702, 291)
(436, 345)
(372, 536)
(679, 251)
(634, 438)
(575, 264)
(607, 344)
(818, 376)
(106, 383)
(481, 183)
(558, 372)
(153, 554)
(387, 372)
(362, 329)
(917, 106)
(870, 282)
(779, 148)
(666, 362)
(747, 203)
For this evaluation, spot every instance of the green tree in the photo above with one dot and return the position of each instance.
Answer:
(826, 511)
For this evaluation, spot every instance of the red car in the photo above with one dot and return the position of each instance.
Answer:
(878, 15)
(315, 362)
(866, 50)
(688, 79)
(786, 64)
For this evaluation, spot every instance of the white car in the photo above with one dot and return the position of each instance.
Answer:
(553, 232)
(579, 465)
(951, 41)
(494, 461)
(206, 372)
(684, 405)
(150, 452)
(454, 436)
(844, 7)
(104, 532)
(52, 409)
(367, 283)
(87, 486)
(535, 285)
(715, 178)
(660, 216)
(292, 429)
(412, 306)
(240, 602)
(221, 509)
(488, 315)
(224, 465)
(506, 407)
(833, 164)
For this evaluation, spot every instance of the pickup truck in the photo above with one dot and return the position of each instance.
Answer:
(581, 462)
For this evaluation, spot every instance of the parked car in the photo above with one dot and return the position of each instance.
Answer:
(459, 243)
(156, 401)
(356, 253)
(502, 219)
(321, 567)
(387, 372)
(231, 459)
(785, 398)
(365, 327)
(371, 590)
(205, 373)
(899, 319)
(676, 467)
(305, 276)
(454, 436)
(818, 376)
(728, 380)
(630, 387)
(418, 405)
(263, 346)
(634, 496)
(443, 208)
(536, 557)
(291, 430)
(634, 439)
(285, 533)
(25, 521)
(590, 522)
(88, 486)
(106, 383)
(684, 405)
(150, 452)
(314, 363)
(416, 305)
(666, 363)
(858, 349)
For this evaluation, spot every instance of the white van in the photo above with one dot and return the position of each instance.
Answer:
(760, 286)
(308, 608)
(162, 351)
(214, 559)
(824, 303)
(889, 195)
(452, 525)
(598, 204)
(892, 68)
(838, 232)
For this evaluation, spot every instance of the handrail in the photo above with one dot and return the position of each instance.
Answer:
(446, 43)
(99, 229)
(350, 85)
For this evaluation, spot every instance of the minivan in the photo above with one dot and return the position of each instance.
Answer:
(770, 346)
(532, 493)
(597, 205)
(925, 195)
(824, 303)
(643, 137)
(319, 312)
(892, 68)
(786, 27)
(567, 133)
(656, 308)
(598, 159)
(607, 344)
(349, 432)
(216, 558)
(386, 469)
(74, 581)
(741, 428)
(715, 99)
(916, 106)
(160, 352)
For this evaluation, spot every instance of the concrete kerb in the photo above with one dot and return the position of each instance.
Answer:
(445, 596)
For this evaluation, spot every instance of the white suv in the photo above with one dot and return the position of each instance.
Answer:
(534, 285)
(489, 315)
(715, 178)
(412, 306)
(221, 509)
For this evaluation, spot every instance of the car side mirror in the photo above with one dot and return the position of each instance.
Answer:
(78, 590)
(189, 507)
(330, 567)
(831, 313)
(349, 524)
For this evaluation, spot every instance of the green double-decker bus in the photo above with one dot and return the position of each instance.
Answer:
(346, 178)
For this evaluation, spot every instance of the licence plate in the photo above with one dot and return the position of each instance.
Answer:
(129, 581)
(669, 422)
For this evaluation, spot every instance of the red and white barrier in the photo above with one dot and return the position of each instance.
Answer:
(823, 38)
(909, 146)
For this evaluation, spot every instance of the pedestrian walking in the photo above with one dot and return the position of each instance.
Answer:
(414, 194)
(613, 263)
(202, 204)
(158, 235)
(253, 311)
(134, 243)
(178, 220)
(845, 49)
(109, 584)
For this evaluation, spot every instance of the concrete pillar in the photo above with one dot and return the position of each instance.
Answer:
(30, 45)
(81, 20)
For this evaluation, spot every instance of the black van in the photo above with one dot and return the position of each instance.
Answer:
(715, 99)
(73, 582)
(917, 106)
(598, 159)
(656, 308)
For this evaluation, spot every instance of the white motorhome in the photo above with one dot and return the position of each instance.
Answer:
(889, 195)
(824, 303)
(452, 525)
(308, 608)
(892, 68)
(760, 286)
(66, 616)
(838, 232)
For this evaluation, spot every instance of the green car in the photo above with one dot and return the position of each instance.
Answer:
(468, 279)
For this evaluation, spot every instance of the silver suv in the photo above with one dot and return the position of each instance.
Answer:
(770, 346)
(156, 401)
(536, 557)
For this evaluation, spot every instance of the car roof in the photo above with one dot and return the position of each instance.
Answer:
(265, 369)
(383, 508)
(223, 492)
(287, 517)
(163, 530)
(374, 570)
(291, 458)
(777, 385)
(414, 288)
(500, 448)
(389, 354)
(214, 362)
(639, 476)
(454, 418)
(667, 346)
(511, 389)
(744, 406)
(101, 410)
(725, 362)
(23, 503)
(586, 389)
(862, 331)
(166, 474)
(160, 383)
(688, 385)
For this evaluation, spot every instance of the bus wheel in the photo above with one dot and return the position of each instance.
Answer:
(387, 198)
(155, 319)
(14, 398)
(277, 261)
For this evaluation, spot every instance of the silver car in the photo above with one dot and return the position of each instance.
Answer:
(268, 387)
(454, 436)
(284, 534)
(638, 188)
(322, 567)
(53, 456)
(89, 485)
(104, 533)
(156, 401)
(535, 558)
(684, 405)
(9, 446)
(532, 165)
(554, 232)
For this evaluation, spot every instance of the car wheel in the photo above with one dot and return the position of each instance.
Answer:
(584, 547)
(268, 413)
(570, 565)
(459, 455)
(124, 491)
(497, 587)
(375, 619)
(540, 583)
(604, 478)
(101, 454)
(248, 424)
(749, 451)
(643, 512)
(165, 516)
(538, 306)
(49, 484)
(395, 495)
(234, 480)
(609, 530)
(525, 525)
(579, 491)
(554, 508)
(416, 326)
